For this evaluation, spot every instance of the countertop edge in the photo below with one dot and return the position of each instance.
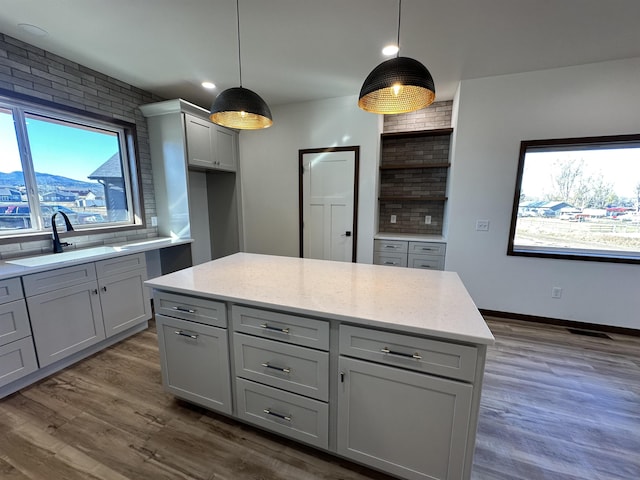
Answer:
(444, 335)
(9, 270)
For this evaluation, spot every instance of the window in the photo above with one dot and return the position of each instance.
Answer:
(57, 161)
(578, 199)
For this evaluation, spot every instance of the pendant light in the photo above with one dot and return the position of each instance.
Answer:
(240, 107)
(399, 85)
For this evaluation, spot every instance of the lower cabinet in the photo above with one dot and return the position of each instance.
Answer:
(403, 253)
(72, 308)
(406, 423)
(195, 362)
(65, 321)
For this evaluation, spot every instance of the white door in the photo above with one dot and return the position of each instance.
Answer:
(329, 195)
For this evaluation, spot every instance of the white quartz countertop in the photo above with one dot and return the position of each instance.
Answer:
(410, 300)
(411, 237)
(25, 265)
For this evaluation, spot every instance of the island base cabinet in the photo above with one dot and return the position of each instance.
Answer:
(195, 362)
(405, 423)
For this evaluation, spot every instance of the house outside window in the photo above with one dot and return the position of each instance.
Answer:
(53, 160)
(578, 199)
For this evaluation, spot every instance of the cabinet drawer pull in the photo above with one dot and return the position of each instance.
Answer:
(426, 266)
(275, 329)
(416, 355)
(188, 335)
(94, 291)
(428, 249)
(280, 369)
(389, 263)
(391, 246)
(277, 415)
(184, 309)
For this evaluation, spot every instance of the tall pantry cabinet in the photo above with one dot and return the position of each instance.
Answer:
(196, 178)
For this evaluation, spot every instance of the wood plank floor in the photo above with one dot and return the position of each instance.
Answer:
(555, 406)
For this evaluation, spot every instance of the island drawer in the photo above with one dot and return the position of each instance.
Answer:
(112, 266)
(430, 262)
(285, 413)
(17, 359)
(390, 259)
(289, 367)
(195, 309)
(391, 246)
(414, 353)
(43, 282)
(427, 248)
(14, 322)
(307, 332)
(10, 290)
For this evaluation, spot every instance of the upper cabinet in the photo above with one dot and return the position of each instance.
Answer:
(207, 146)
(210, 146)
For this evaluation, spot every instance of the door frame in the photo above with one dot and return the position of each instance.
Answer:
(356, 175)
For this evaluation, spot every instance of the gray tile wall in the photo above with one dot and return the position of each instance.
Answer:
(32, 71)
(410, 215)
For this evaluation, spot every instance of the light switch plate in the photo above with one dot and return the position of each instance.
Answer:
(482, 225)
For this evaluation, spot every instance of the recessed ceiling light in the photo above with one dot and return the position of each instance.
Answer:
(390, 50)
(208, 85)
(33, 30)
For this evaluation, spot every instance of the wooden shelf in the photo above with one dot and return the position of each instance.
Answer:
(412, 199)
(419, 133)
(405, 166)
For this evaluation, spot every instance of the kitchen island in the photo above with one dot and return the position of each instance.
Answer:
(380, 365)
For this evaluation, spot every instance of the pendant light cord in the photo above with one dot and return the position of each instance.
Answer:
(399, 16)
(239, 57)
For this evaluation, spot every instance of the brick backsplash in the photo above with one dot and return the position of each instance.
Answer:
(29, 70)
(410, 215)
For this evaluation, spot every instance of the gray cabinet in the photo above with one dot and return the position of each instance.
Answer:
(412, 254)
(75, 307)
(195, 358)
(406, 423)
(405, 402)
(66, 321)
(196, 186)
(17, 353)
(282, 373)
(210, 146)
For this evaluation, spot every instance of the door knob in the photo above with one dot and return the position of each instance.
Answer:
(347, 234)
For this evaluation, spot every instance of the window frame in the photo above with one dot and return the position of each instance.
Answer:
(593, 255)
(22, 105)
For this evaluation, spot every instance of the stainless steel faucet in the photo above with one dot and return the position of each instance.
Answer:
(57, 244)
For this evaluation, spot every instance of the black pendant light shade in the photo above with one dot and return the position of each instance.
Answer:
(398, 85)
(241, 108)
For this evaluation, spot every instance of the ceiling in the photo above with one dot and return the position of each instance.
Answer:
(300, 50)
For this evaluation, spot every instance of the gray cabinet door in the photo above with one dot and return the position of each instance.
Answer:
(124, 300)
(409, 424)
(195, 362)
(65, 321)
(200, 149)
(226, 156)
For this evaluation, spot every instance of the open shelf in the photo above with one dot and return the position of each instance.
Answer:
(405, 166)
(412, 199)
(419, 133)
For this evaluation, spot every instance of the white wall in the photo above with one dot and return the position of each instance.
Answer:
(493, 116)
(269, 171)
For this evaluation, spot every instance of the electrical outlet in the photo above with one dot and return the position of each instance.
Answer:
(482, 225)
(393, 219)
(154, 221)
(427, 219)
(556, 292)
